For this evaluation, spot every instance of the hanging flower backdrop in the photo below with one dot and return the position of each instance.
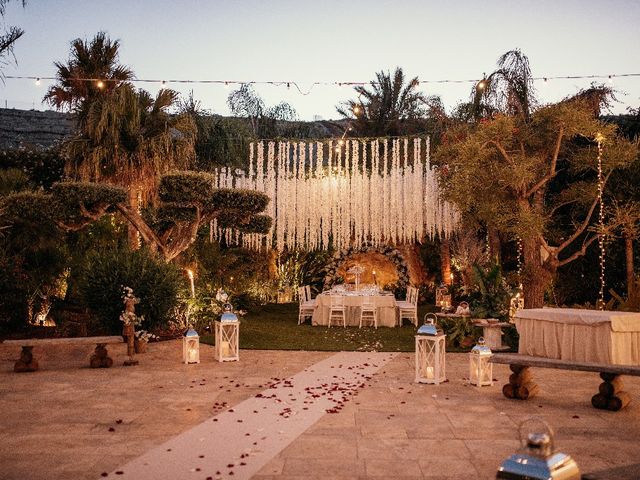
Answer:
(342, 193)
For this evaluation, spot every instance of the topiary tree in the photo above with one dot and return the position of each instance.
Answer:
(187, 200)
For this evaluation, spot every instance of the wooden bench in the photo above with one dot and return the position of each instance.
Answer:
(521, 386)
(99, 359)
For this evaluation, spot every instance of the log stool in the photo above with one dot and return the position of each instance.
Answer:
(610, 396)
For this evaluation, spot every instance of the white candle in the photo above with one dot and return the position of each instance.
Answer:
(224, 346)
(430, 373)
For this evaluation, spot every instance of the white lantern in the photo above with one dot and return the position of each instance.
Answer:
(480, 366)
(191, 347)
(430, 353)
(227, 337)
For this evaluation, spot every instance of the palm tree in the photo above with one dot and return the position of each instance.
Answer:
(125, 137)
(8, 37)
(509, 90)
(92, 73)
(389, 107)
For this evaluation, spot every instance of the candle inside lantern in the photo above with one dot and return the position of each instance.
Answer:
(193, 355)
(430, 373)
(224, 346)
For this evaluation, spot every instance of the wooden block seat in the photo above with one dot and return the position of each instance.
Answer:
(610, 396)
(99, 359)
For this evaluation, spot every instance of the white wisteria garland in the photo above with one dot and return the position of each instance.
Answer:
(347, 193)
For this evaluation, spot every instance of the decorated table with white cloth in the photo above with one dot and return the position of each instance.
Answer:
(385, 305)
(596, 336)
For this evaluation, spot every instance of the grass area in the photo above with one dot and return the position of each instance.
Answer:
(275, 327)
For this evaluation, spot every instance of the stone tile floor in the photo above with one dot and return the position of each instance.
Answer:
(69, 421)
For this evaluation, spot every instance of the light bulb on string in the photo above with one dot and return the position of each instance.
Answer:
(100, 84)
(356, 109)
(226, 85)
(481, 85)
(38, 82)
(164, 83)
(545, 81)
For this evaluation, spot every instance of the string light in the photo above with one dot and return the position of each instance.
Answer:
(356, 110)
(520, 259)
(601, 235)
(164, 83)
(100, 84)
(480, 84)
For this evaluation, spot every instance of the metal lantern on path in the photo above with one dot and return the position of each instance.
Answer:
(430, 352)
(227, 336)
(538, 459)
(480, 366)
(191, 346)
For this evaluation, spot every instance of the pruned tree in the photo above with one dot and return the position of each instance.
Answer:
(501, 170)
(187, 201)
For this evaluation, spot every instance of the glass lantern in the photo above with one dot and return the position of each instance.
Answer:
(430, 353)
(191, 346)
(227, 336)
(480, 366)
(538, 459)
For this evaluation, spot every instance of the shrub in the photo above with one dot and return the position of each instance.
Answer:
(152, 280)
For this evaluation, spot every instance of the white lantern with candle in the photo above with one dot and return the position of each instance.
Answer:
(430, 353)
(191, 346)
(227, 336)
(480, 366)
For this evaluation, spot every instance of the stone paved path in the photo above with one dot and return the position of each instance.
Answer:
(239, 441)
(72, 422)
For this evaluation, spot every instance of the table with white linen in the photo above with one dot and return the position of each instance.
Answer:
(596, 336)
(385, 305)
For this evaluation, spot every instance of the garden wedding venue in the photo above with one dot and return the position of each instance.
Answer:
(281, 240)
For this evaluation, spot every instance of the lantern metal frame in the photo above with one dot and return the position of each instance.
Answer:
(480, 366)
(430, 359)
(191, 342)
(227, 334)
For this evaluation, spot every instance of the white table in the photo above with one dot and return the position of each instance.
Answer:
(385, 305)
(594, 336)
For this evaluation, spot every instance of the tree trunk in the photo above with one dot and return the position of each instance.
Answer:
(132, 232)
(628, 251)
(495, 245)
(537, 276)
(445, 261)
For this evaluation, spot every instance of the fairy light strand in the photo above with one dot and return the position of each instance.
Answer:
(601, 235)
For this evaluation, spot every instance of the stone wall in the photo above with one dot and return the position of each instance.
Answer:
(33, 129)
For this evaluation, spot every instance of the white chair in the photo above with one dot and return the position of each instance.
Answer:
(368, 312)
(409, 307)
(305, 305)
(337, 310)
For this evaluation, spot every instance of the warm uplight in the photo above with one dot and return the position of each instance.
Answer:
(192, 284)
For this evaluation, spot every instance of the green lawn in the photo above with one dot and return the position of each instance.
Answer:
(275, 327)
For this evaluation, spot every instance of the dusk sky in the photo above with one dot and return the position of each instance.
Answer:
(332, 41)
